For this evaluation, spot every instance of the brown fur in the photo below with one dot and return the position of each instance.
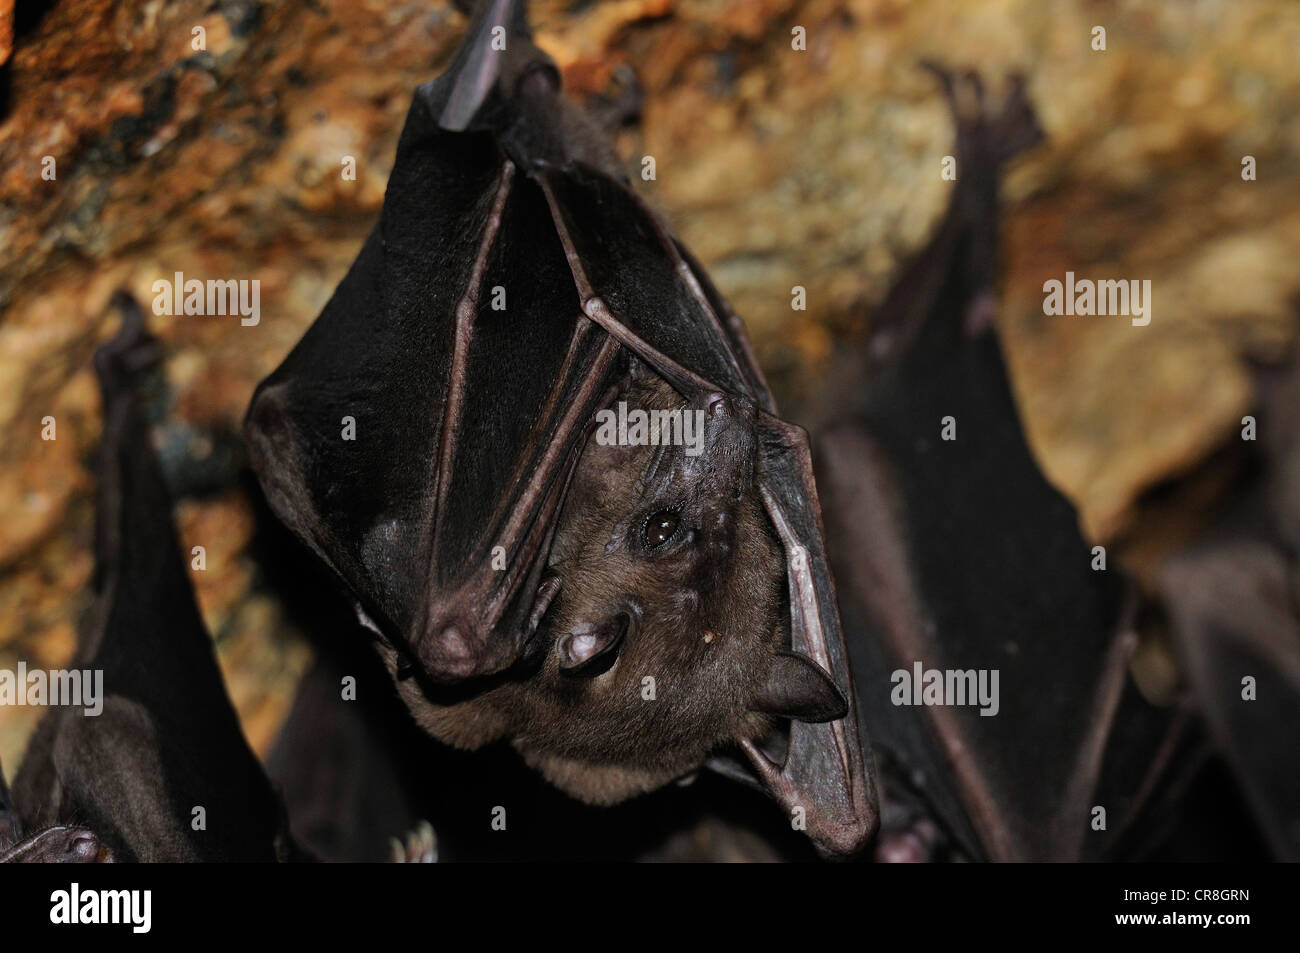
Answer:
(597, 737)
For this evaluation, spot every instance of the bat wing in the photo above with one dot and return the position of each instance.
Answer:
(1233, 605)
(489, 315)
(167, 740)
(827, 767)
(959, 561)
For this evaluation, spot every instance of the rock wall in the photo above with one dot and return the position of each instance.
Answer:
(129, 153)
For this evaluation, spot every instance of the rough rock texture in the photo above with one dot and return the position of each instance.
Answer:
(779, 167)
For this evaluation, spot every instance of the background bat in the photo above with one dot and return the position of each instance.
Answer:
(953, 552)
(1233, 601)
(422, 439)
(167, 740)
(347, 769)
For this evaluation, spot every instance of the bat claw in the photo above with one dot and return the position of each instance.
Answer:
(419, 847)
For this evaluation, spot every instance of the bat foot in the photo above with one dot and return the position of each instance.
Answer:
(419, 847)
(1001, 135)
(916, 844)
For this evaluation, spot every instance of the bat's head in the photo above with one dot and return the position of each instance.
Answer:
(665, 641)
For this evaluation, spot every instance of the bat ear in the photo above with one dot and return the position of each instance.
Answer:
(799, 688)
(591, 649)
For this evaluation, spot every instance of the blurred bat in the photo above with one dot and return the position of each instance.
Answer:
(1233, 599)
(955, 555)
(424, 437)
(167, 740)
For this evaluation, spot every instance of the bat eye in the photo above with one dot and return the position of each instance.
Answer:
(661, 527)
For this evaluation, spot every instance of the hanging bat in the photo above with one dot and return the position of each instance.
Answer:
(1233, 600)
(954, 553)
(167, 740)
(430, 428)
(665, 574)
